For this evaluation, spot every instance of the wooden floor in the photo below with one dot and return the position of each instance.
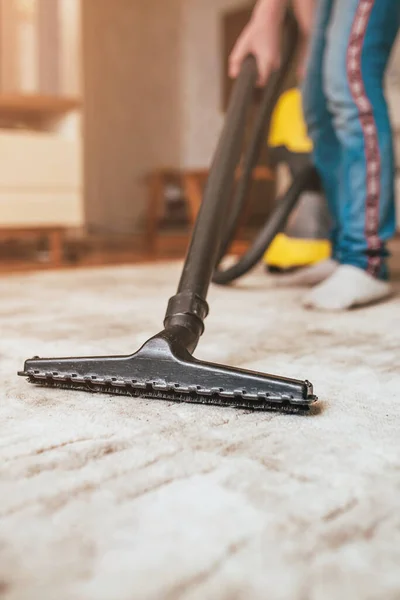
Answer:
(88, 252)
(100, 253)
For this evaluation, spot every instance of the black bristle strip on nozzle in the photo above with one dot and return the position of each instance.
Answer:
(239, 402)
(163, 369)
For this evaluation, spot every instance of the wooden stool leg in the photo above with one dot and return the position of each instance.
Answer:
(56, 239)
(193, 192)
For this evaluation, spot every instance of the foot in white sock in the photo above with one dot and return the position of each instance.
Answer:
(308, 276)
(348, 287)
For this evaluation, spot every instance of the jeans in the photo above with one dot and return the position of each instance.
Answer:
(348, 122)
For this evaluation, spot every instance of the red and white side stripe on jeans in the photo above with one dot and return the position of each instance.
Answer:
(369, 127)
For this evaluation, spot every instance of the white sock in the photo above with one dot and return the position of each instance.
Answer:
(308, 276)
(348, 287)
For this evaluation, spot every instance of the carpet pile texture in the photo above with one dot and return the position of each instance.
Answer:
(113, 498)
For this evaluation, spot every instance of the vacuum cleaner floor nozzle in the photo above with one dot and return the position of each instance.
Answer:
(164, 369)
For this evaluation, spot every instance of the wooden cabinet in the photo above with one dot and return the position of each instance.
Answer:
(41, 162)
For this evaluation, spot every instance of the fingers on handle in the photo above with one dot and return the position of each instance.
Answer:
(264, 69)
(236, 58)
(265, 64)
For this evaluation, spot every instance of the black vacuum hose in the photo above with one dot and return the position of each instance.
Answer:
(274, 225)
(285, 205)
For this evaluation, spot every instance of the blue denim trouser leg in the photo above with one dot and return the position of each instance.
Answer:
(348, 121)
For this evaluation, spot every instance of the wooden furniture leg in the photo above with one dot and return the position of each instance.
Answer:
(56, 243)
(193, 192)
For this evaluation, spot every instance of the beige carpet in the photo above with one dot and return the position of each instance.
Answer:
(121, 499)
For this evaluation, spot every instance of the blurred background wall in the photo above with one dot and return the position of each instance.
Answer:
(132, 99)
(153, 73)
(203, 74)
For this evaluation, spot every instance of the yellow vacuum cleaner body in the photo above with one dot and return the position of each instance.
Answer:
(305, 239)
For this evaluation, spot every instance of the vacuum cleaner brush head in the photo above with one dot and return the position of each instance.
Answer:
(164, 369)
